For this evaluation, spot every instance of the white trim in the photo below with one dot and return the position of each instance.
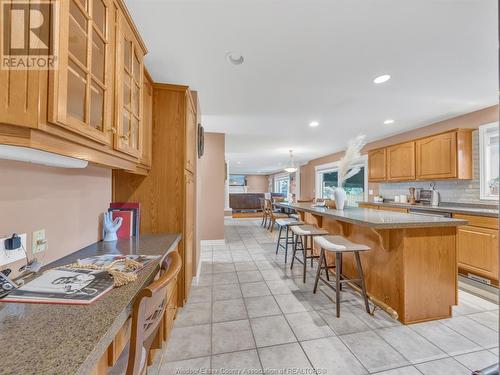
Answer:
(213, 242)
(483, 132)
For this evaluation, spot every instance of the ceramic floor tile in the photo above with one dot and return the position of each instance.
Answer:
(246, 361)
(473, 331)
(226, 291)
(292, 303)
(273, 274)
(278, 287)
(200, 294)
(271, 330)
(255, 289)
(407, 370)
(373, 352)
(193, 314)
(410, 344)
(262, 306)
(308, 325)
(477, 360)
(188, 342)
(332, 355)
(245, 266)
(443, 366)
(284, 357)
(223, 267)
(347, 323)
(445, 338)
(225, 278)
(184, 367)
(249, 276)
(232, 309)
(205, 280)
(232, 336)
(487, 318)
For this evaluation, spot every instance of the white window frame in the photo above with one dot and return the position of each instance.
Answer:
(281, 177)
(483, 161)
(320, 170)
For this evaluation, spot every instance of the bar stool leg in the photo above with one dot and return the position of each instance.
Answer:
(303, 239)
(338, 261)
(279, 239)
(294, 250)
(339, 268)
(318, 273)
(312, 252)
(362, 277)
(286, 243)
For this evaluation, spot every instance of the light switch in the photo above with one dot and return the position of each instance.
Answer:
(39, 242)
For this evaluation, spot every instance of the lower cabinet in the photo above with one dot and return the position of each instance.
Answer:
(478, 251)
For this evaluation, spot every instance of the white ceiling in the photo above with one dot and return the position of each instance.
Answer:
(316, 60)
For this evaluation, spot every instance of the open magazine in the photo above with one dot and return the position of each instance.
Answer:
(72, 286)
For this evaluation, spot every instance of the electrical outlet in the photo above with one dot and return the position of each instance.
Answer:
(39, 242)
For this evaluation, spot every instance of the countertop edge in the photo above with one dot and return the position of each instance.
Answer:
(88, 365)
(457, 210)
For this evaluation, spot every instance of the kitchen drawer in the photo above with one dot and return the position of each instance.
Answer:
(368, 205)
(394, 209)
(479, 221)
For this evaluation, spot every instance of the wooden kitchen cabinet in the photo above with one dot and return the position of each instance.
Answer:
(191, 128)
(401, 162)
(377, 170)
(189, 230)
(82, 87)
(478, 251)
(446, 155)
(129, 88)
(147, 118)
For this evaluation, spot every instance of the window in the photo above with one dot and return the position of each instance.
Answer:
(488, 160)
(282, 185)
(355, 187)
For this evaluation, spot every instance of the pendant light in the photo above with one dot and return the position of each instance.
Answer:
(291, 166)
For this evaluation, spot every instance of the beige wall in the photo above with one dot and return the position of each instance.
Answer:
(257, 183)
(469, 120)
(67, 203)
(211, 185)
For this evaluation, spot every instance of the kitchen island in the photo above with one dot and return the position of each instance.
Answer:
(411, 269)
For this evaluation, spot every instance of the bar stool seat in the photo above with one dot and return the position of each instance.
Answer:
(287, 224)
(303, 235)
(339, 245)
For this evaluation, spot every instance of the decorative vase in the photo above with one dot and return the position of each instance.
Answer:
(339, 195)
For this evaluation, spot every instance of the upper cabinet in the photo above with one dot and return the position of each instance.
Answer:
(129, 88)
(401, 162)
(377, 165)
(81, 99)
(97, 104)
(446, 155)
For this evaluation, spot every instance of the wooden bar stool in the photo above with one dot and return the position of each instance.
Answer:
(273, 215)
(303, 241)
(286, 224)
(339, 245)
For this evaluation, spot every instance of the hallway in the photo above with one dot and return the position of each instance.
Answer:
(249, 312)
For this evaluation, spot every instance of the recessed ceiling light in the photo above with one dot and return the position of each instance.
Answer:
(313, 124)
(389, 121)
(381, 79)
(235, 58)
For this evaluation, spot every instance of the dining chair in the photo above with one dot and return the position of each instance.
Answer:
(273, 216)
(147, 316)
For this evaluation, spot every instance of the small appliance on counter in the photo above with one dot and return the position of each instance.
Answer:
(378, 199)
(430, 197)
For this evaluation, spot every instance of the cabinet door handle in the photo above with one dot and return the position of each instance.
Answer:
(125, 136)
(112, 130)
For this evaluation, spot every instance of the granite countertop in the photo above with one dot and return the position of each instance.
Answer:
(376, 218)
(467, 209)
(70, 339)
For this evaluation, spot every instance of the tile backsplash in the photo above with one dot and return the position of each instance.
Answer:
(460, 191)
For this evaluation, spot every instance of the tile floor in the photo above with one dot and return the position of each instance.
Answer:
(248, 313)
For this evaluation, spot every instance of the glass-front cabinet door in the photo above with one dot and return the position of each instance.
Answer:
(83, 84)
(130, 85)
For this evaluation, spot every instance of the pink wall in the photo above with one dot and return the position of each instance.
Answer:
(469, 120)
(67, 203)
(257, 183)
(211, 185)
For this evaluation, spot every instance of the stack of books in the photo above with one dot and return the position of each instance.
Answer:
(131, 215)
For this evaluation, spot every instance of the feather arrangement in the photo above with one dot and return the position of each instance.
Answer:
(351, 157)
